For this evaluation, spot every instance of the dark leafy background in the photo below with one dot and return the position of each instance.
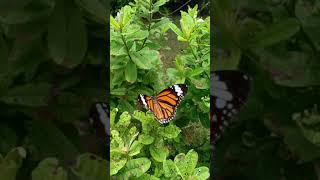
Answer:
(277, 43)
(52, 68)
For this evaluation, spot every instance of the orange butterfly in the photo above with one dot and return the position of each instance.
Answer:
(164, 105)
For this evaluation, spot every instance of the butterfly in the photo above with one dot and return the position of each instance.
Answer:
(229, 91)
(164, 105)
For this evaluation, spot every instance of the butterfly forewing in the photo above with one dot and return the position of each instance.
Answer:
(229, 91)
(165, 104)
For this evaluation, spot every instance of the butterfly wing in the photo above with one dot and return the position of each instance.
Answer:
(99, 118)
(165, 104)
(229, 91)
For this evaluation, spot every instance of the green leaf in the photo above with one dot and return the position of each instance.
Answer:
(141, 60)
(274, 33)
(137, 167)
(95, 8)
(118, 91)
(113, 114)
(114, 23)
(309, 126)
(309, 21)
(297, 143)
(187, 25)
(49, 141)
(158, 151)
(146, 139)
(91, 167)
(175, 29)
(135, 34)
(194, 72)
(186, 163)
(25, 57)
(9, 138)
(126, 16)
(117, 48)
(33, 95)
(160, 3)
(131, 72)
(202, 83)
(171, 131)
(135, 148)
(202, 173)
(10, 165)
(228, 59)
(67, 36)
(117, 162)
(169, 169)
(25, 12)
(49, 169)
(146, 177)
(119, 62)
(162, 22)
(124, 120)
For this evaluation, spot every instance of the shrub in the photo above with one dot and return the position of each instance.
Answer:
(143, 149)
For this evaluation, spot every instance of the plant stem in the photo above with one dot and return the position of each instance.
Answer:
(125, 44)
(149, 25)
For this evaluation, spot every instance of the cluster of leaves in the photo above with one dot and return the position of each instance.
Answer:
(277, 43)
(132, 144)
(52, 68)
(135, 64)
(193, 65)
(50, 168)
(136, 67)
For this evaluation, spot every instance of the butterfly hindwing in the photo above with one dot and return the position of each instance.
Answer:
(165, 104)
(229, 91)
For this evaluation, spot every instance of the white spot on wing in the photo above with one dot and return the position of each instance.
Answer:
(143, 101)
(178, 90)
(220, 103)
(103, 118)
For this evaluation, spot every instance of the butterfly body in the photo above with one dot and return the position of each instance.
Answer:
(164, 105)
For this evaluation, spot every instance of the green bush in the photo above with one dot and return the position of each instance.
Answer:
(193, 65)
(143, 150)
(141, 147)
(135, 63)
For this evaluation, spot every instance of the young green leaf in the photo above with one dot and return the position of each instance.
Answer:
(49, 169)
(114, 23)
(10, 164)
(131, 72)
(117, 162)
(91, 167)
(158, 151)
(136, 167)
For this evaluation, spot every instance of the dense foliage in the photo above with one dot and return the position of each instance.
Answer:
(52, 68)
(277, 43)
(137, 42)
(146, 153)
